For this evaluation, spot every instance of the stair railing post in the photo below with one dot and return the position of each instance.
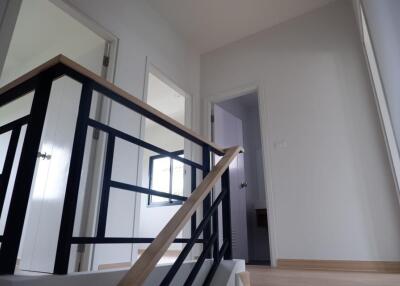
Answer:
(23, 181)
(216, 233)
(207, 200)
(193, 225)
(8, 164)
(74, 176)
(105, 192)
(226, 215)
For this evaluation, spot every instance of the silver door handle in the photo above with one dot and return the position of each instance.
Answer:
(243, 185)
(44, 156)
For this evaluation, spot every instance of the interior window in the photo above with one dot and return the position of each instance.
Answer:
(161, 173)
(166, 175)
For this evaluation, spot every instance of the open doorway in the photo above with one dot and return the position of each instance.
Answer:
(236, 121)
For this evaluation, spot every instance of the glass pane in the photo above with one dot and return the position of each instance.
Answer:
(177, 177)
(160, 178)
(4, 142)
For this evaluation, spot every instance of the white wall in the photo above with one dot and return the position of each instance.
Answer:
(330, 190)
(142, 33)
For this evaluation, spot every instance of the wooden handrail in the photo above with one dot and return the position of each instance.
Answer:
(148, 260)
(61, 59)
(245, 278)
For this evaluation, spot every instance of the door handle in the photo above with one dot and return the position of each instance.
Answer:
(44, 156)
(243, 185)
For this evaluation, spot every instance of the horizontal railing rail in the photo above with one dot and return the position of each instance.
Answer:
(141, 143)
(40, 81)
(123, 240)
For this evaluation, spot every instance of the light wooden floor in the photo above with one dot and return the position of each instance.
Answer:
(260, 275)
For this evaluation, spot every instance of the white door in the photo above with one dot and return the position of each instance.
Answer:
(48, 190)
(29, 47)
(228, 131)
(47, 195)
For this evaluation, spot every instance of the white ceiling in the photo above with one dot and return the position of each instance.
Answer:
(210, 24)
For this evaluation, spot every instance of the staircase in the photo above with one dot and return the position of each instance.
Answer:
(205, 233)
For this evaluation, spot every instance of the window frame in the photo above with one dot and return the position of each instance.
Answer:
(169, 201)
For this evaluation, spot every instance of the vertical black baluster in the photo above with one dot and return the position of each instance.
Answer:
(24, 177)
(8, 163)
(151, 162)
(74, 176)
(171, 175)
(216, 233)
(226, 215)
(207, 200)
(101, 231)
(193, 187)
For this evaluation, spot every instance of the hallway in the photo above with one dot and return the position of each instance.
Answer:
(265, 276)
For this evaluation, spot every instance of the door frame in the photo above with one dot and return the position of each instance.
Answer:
(8, 17)
(221, 117)
(266, 144)
(151, 67)
(375, 76)
(98, 158)
(98, 29)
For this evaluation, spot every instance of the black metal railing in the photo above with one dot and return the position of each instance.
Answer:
(34, 122)
(211, 242)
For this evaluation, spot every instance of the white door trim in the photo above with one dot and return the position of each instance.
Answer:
(379, 94)
(87, 259)
(9, 14)
(154, 69)
(91, 24)
(266, 144)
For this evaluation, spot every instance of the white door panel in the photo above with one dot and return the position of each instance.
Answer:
(43, 219)
(228, 131)
(44, 216)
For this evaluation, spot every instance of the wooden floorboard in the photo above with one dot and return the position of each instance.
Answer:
(261, 275)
